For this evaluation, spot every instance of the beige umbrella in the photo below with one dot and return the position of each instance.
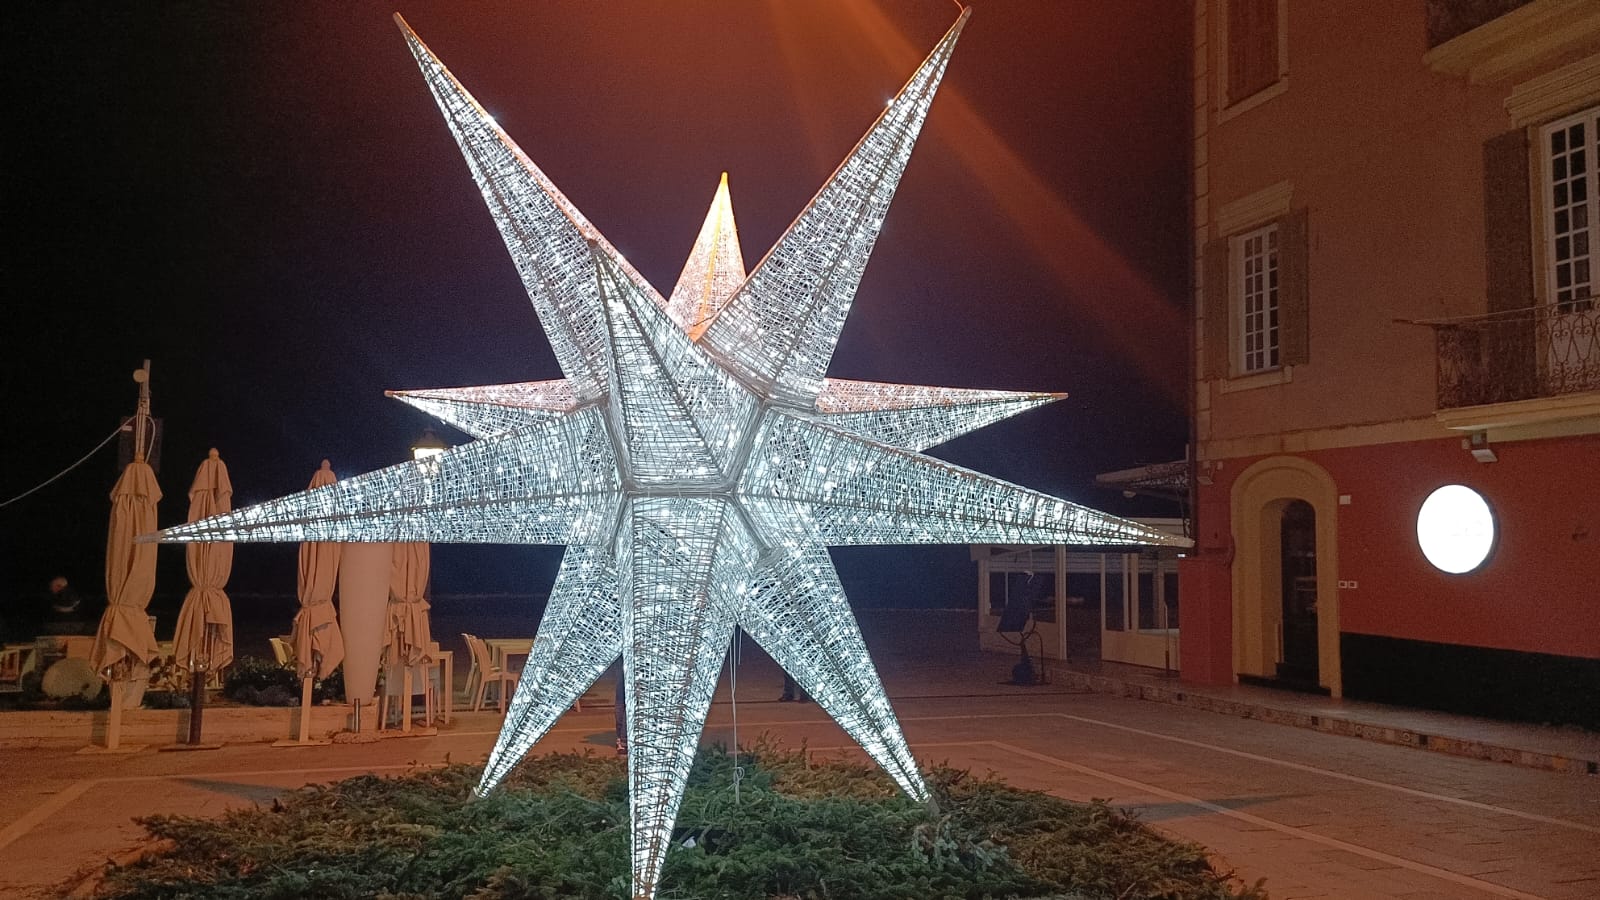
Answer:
(406, 633)
(407, 636)
(204, 640)
(318, 644)
(125, 643)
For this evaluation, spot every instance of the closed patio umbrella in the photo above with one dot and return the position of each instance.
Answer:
(318, 644)
(407, 635)
(204, 639)
(406, 632)
(125, 643)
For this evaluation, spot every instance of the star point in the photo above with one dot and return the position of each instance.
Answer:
(694, 459)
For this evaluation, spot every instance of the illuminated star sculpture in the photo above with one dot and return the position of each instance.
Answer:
(695, 461)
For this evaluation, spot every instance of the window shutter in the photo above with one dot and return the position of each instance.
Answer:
(1294, 314)
(1252, 47)
(1218, 308)
(1507, 223)
(1505, 364)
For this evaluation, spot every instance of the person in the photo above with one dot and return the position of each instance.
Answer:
(793, 692)
(66, 609)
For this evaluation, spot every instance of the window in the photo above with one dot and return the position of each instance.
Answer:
(1252, 47)
(1255, 286)
(1158, 593)
(1169, 596)
(1256, 255)
(997, 593)
(1115, 592)
(1149, 612)
(1569, 147)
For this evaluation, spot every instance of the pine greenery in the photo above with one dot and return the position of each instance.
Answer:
(799, 830)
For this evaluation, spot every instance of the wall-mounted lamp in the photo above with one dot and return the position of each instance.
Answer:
(1478, 446)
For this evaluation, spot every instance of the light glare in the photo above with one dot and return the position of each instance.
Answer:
(1456, 529)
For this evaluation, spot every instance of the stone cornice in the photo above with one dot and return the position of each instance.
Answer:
(1519, 41)
(1554, 94)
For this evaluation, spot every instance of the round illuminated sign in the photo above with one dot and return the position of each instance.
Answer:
(1455, 529)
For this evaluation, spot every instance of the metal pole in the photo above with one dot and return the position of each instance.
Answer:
(141, 416)
(197, 701)
(305, 710)
(114, 724)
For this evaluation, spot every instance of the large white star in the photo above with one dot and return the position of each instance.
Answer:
(695, 461)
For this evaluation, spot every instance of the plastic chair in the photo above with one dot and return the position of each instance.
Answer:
(423, 682)
(472, 672)
(489, 673)
(282, 652)
(11, 665)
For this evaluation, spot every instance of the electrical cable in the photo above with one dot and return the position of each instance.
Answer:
(52, 478)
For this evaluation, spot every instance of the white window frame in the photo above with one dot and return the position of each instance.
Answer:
(1580, 293)
(1256, 300)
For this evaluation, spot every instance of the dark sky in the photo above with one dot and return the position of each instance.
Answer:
(264, 200)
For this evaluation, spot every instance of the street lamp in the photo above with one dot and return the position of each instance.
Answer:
(429, 444)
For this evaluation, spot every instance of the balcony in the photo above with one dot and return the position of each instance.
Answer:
(1494, 41)
(1518, 368)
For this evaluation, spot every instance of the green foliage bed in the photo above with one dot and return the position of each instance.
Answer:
(558, 829)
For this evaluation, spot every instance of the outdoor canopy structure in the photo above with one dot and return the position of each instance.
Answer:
(695, 461)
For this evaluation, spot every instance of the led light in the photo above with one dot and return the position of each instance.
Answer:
(1456, 529)
(695, 461)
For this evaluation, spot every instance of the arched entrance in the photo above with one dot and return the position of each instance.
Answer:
(1285, 575)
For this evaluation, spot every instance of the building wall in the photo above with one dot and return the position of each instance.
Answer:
(1380, 145)
(1387, 156)
(1540, 589)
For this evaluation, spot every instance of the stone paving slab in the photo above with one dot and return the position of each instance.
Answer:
(1534, 746)
(1314, 814)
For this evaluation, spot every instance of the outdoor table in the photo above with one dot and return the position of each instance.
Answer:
(500, 648)
(446, 660)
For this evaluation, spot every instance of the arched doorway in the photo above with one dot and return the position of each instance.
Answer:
(1285, 581)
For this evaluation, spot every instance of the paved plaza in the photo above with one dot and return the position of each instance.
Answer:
(1315, 814)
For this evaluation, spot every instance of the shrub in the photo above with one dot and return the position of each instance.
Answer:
(166, 700)
(254, 681)
(558, 828)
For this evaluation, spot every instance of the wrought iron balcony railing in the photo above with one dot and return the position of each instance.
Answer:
(1541, 351)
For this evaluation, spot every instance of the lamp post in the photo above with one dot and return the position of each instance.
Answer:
(430, 444)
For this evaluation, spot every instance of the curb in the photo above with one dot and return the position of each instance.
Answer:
(1348, 727)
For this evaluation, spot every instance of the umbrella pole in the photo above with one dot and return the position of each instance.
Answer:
(197, 701)
(305, 710)
(114, 723)
(405, 702)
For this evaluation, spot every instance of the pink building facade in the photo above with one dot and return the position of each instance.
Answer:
(1393, 204)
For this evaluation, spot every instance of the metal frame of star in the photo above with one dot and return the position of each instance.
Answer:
(695, 460)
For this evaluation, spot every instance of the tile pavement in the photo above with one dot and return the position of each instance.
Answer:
(1317, 814)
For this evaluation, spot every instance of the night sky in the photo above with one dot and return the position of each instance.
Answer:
(264, 201)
